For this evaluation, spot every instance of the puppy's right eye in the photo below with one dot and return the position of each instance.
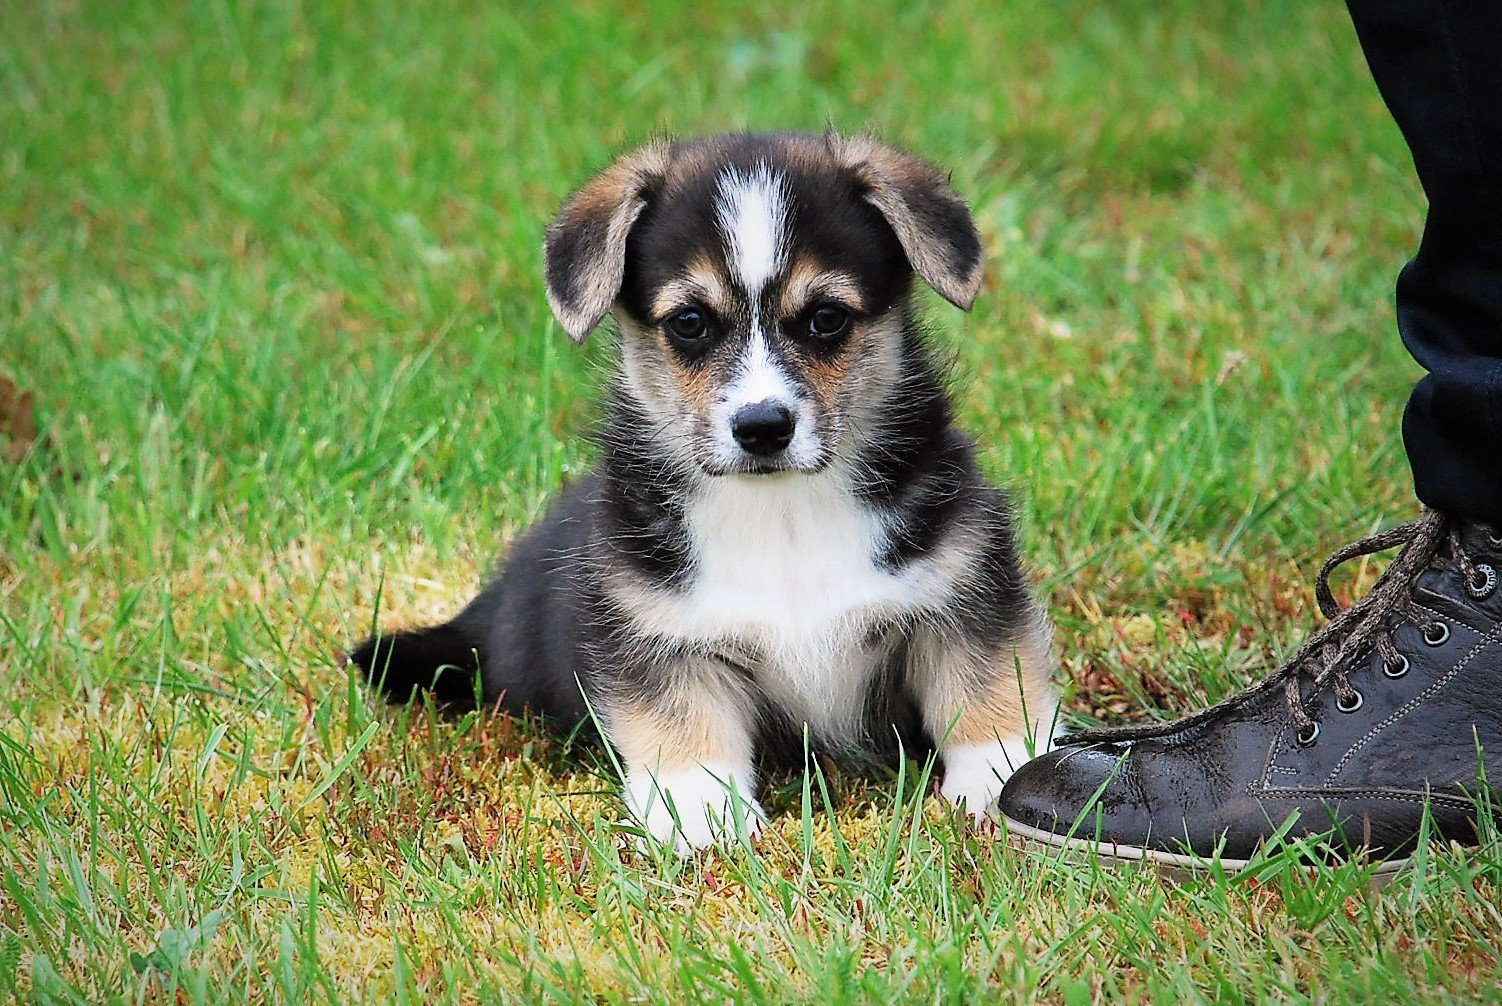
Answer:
(688, 325)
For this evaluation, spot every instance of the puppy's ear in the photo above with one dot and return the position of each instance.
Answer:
(585, 247)
(932, 223)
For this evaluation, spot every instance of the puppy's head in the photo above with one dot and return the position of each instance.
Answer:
(761, 283)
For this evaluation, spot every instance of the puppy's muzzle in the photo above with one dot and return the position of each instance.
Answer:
(763, 428)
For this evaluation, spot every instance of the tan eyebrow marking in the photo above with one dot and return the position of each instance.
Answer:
(700, 282)
(808, 281)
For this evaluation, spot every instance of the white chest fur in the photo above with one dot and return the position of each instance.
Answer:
(785, 573)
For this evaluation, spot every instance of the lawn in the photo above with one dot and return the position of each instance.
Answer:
(272, 272)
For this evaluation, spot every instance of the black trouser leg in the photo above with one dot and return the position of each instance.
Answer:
(1438, 64)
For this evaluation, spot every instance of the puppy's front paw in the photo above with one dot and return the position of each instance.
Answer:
(975, 773)
(694, 808)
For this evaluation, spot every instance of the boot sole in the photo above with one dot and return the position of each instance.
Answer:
(1174, 866)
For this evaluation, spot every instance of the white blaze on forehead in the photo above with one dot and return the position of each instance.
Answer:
(751, 210)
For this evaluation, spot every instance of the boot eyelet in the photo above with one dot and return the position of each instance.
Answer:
(1495, 538)
(1436, 633)
(1481, 591)
(1396, 670)
(1307, 735)
(1355, 703)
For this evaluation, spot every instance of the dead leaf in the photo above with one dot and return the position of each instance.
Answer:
(18, 420)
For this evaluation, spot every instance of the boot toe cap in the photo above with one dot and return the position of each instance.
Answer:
(1082, 789)
(1133, 794)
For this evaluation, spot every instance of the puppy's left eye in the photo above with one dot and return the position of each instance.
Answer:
(828, 322)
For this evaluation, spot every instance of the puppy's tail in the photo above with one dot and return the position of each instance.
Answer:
(442, 660)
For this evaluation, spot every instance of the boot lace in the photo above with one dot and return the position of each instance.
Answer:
(1327, 656)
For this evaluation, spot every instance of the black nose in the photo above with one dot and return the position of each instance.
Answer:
(762, 428)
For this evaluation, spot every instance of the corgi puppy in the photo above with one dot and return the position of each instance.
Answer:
(786, 543)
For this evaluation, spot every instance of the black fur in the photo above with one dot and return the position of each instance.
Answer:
(524, 633)
(440, 659)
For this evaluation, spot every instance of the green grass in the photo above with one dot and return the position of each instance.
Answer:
(272, 271)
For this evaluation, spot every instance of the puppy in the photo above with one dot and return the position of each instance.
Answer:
(785, 544)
